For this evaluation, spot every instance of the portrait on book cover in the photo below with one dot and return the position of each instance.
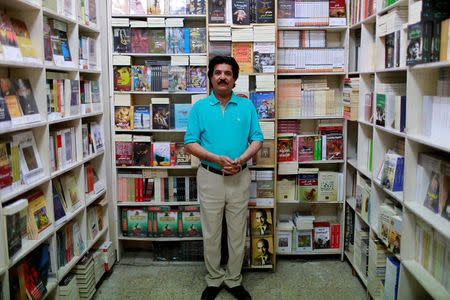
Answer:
(261, 222)
(262, 251)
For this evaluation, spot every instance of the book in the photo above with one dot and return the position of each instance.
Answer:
(137, 7)
(177, 7)
(139, 79)
(24, 41)
(14, 224)
(191, 225)
(393, 172)
(71, 192)
(97, 136)
(181, 115)
(122, 78)
(8, 40)
(337, 13)
(157, 41)
(5, 167)
(39, 221)
(266, 155)
(380, 110)
(122, 40)
(167, 223)
(161, 116)
(156, 7)
(5, 118)
(163, 154)
(9, 94)
(263, 57)
(196, 79)
(264, 103)
(216, 11)
(306, 147)
(31, 168)
(262, 251)
(197, 40)
(303, 240)
(196, 7)
(265, 11)
(241, 12)
(261, 222)
(321, 235)
(58, 205)
(307, 184)
(175, 39)
(140, 40)
(142, 154)
(141, 117)
(243, 54)
(327, 186)
(285, 148)
(415, 48)
(120, 7)
(178, 79)
(334, 147)
(93, 225)
(182, 158)
(26, 97)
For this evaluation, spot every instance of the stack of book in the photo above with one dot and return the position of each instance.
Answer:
(174, 22)
(377, 266)
(302, 38)
(84, 273)
(285, 227)
(262, 231)
(265, 82)
(305, 13)
(68, 289)
(63, 96)
(264, 33)
(62, 145)
(220, 33)
(261, 188)
(389, 104)
(351, 98)
(289, 97)
(361, 250)
(392, 21)
(154, 22)
(242, 34)
(87, 53)
(288, 126)
(390, 225)
(314, 185)
(363, 198)
(300, 60)
(99, 264)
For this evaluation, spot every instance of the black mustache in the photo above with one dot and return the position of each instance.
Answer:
(222, 81)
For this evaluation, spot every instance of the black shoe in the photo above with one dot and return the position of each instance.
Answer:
(239, 292)
(210, 292)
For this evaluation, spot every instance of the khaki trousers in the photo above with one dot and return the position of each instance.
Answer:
(216, 194)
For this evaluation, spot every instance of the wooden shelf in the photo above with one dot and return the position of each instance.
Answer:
(427, 281)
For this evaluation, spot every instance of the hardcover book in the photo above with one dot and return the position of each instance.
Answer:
(191, 225)
(122, 40)
(140, 40)
(141, 117)
(167, 223)
(196, 79)
(122, 78)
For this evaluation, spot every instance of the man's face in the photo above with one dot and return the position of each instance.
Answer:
(259, 218)
(261, 248)
(222, 79)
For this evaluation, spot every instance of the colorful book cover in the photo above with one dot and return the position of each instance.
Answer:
(304, 241)
(142, 154)
(122, 78)
(123, 117)
(191, 224)
(65, 45)
(141, 117)
(137, 7)
(140, 40)
(161, 154)
(241, 12)
(139, 78)
(8, 39)
(321, 235)
(157, 41)
(414, 50)
(37, 209)
(155, 7)
(177, 79)
(181, 115)
(197, 40)
(243, 54)
(24, 39)
(167, 223)
(389, 50)
(122, 40)
(337, 12)
(5, 167)
(265, 11)
(9, 93)
(216, 11)
(335, 147)
(264, 58)
(380, 110)
(286, 9)
(48, 54)
(134, 222)
(25, 95)
(182, 158)
(307, 184)
(196, 79)
(196, 7)
(264, 103)
(175, 40)
(306, 147)
(124, 154)
(261, 222)
(285, 148)
(262, 251)
(432, 196)
(161, 116)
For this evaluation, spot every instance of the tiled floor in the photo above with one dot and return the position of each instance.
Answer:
(138, 277)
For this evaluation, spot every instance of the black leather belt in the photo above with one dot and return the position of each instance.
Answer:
(219, 172)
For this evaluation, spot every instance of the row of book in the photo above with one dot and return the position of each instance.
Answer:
(137, 188)
(261, 188)
(240, 12)
(311, 60)
(259, 248)
(170, 40)
(428, 38)
(361, 9)
(432, 253)
(390, 219)
(157, 115)
(16, 41)
(312, 13)
(161, 221)
(87, 53)
(63, 148)
(390, 106)
(17, 103)
(433, 183)
(303, 148)
(310, 185)
(70, 243)
(157, 76)
(56, 43)
(350, 98)
(302, 39)
(86, 9)
(301, 233)
(141, 151)
(261, 33)
(92, 138)
(156, 7)
(391, 173)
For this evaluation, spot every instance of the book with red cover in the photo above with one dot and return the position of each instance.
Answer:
(335, 149)
(306, 147)
(321, 235)
(140, 40)
(285, 148)
(89, 178)
(124, 154)
(335, 236)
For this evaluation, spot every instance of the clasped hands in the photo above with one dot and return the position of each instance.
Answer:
(228, 165)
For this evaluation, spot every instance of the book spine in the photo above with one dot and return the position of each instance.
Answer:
(186, 41)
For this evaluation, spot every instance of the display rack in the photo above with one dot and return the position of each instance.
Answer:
(415, 282)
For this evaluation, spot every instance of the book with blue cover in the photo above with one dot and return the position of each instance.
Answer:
(197, 79)
(177, 78)
(181, 115)
(264, 103)
(139, 78)
(175, 40)
(141, 117)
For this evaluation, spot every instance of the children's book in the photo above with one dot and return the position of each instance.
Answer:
(196, 79)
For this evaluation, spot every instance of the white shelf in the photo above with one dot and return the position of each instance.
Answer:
(352, 202)
(306, 202)
(51, 286)
(314, 252)
(88, 28)
(327, 28)
(433, 65)
(310, 73)
(161, 16)
(23, 189)
(65, 119)
(311, 118)
(63, 271)
(92, 114)
(386, 244)
(396, 195)
(92, 156)
(158, 93)
(60, 68)
(431, 285)
(388, 70)
(436, 221)
(66, 169)
(55, 15)
(21, 4)
(168, 167)
(391, 131)
(91, 198)
(158, 54)
(27, 126)
(365, 123)
(350, 259)
(20, 64)
(337, 161)
(159, 239)
(91, 243)
(428, 141)
(69, 216)
(90, 71)
(153, 203)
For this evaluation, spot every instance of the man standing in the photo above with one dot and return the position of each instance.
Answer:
(224, 132)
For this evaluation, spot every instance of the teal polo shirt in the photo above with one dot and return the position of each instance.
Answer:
(223, 132)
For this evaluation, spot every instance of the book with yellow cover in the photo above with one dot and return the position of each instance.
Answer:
(71, 192)
(243, 53)
(10, 96)
(24, 41)
(39, 221)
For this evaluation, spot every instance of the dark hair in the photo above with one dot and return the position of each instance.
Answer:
(263, 213)
(265, 243)
(219, 59)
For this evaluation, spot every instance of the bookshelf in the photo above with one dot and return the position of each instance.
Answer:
(37, 69)
(364, 133)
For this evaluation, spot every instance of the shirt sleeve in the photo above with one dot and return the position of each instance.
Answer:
(193, 130)
(255, 130)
